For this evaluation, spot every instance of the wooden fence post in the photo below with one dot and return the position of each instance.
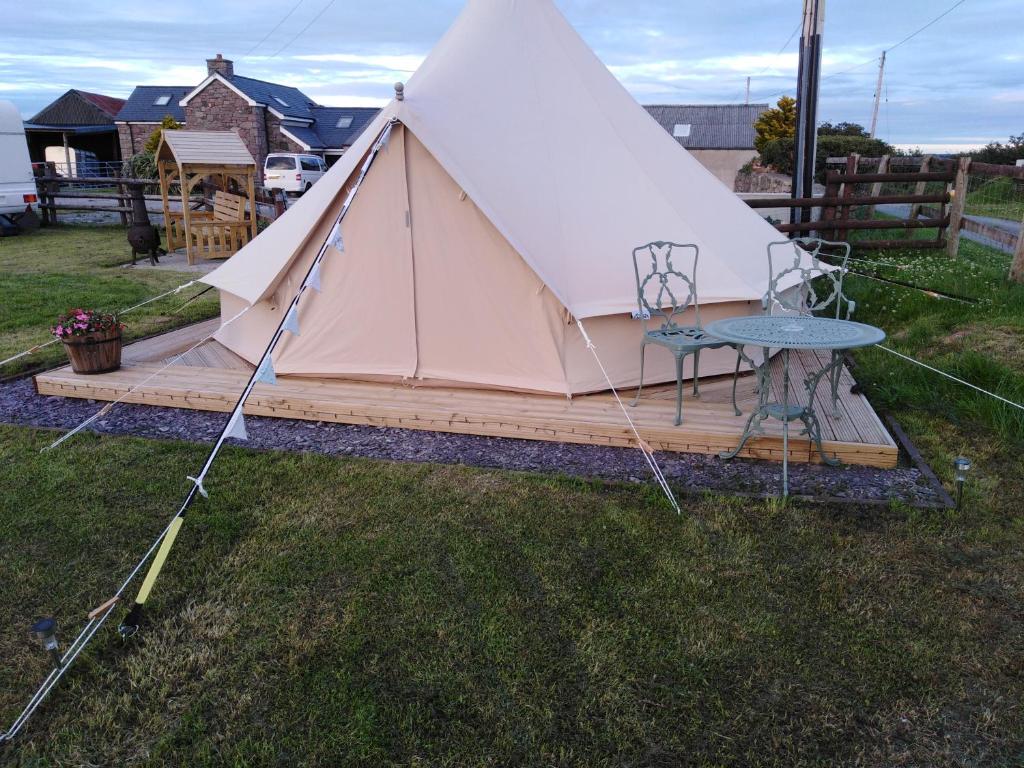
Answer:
(956, 210)
(921, 188)
(848, 191)
(876, 188)
(1017, 265)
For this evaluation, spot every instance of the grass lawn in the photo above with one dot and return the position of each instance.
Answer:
(328, 611)
(1000, 196)
(53, 269)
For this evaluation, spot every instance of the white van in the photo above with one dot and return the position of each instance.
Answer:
(292, 173)
(17, 185)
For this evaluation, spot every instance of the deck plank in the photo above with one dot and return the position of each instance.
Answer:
(211, 377)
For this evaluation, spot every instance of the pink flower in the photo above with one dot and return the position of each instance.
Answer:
(59, 330)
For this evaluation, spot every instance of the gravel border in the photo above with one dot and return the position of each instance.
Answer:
(691, 473)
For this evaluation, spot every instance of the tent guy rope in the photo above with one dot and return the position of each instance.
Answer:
(642, 444)
(165, 540)
(951, 377)
(110, 406)
(164, 295)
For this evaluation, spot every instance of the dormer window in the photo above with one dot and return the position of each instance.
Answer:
(162, 101)
(344, 122)
(281, 101)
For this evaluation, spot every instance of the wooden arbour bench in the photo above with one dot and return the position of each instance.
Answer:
(187, 158)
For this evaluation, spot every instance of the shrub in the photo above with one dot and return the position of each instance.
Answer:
(776, 123)
(140, 166)
(998, 153)
(779, 153)
(153, 142)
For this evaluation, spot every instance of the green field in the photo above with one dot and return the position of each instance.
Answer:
(323, 611)
(47, 272)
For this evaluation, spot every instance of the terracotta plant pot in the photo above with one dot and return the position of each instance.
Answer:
(96, 353)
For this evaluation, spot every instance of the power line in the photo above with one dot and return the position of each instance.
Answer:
(778, 53)
(922, 29)
(890, 49)
(276, 27)
(303, 30)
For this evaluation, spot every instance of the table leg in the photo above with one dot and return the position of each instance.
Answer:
(811, 423)
(785, 424)
(759, 413)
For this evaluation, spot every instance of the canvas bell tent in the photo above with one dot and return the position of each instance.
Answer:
(517, 180)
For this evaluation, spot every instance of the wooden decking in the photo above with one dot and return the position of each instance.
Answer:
(210, 377)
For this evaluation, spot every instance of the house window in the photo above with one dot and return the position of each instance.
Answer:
(681, 131)
(162, 101)
(344, 122)
(281, 101)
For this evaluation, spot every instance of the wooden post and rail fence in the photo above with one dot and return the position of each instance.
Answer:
(937, 200)
(54, 197)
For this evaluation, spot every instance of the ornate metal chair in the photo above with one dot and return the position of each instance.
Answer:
(803, 260)
(664, 293)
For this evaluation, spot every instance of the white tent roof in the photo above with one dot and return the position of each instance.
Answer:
(554, 151)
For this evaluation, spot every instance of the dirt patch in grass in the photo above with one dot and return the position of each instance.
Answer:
(999, 342)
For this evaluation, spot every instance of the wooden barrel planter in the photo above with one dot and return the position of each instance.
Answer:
(98, 352)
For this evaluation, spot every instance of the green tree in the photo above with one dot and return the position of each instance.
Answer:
(153, 142)
(842, 129)
(779, 122)
(998, 153)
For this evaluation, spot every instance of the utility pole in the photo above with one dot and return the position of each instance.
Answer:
(748, 91)
(878, 95)
(807, 104)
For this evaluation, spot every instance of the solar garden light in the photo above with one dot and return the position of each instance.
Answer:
(961, 466)
(45, 631)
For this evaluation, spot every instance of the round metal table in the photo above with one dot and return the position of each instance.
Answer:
(787, 332)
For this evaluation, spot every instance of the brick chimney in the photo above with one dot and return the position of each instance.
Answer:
(220, 65)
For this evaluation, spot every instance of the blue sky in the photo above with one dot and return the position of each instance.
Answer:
(958, 84)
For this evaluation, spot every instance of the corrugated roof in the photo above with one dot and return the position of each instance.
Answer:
(109, 104)
(76, 107)
(141, 106)
(333, 137)
(205, 147)
(711, 126)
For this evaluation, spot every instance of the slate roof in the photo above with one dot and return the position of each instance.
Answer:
(322, 134)
(327, 128)
(712, 126)
(298, 103)
(140, 107)
(79, 108)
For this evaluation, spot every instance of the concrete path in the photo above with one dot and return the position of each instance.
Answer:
(1014, 227)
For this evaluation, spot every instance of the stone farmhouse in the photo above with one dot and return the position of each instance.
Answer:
(268, 116)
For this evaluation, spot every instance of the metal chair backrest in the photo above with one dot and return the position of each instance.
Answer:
(805, 262)
(659, 272)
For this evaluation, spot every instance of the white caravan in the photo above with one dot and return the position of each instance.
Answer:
(17, 185)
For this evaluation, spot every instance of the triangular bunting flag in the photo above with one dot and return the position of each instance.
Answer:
(236, 427)
(198, 482)
(266, 373)
(314, 278)
(291, 321)
(338, 241)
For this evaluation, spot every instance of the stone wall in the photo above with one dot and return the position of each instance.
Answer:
(277, 141)
(133, 136)
(218, 108)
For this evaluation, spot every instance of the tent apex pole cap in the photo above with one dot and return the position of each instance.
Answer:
(400, 91)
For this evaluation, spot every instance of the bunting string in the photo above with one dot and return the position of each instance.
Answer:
(234, 425)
